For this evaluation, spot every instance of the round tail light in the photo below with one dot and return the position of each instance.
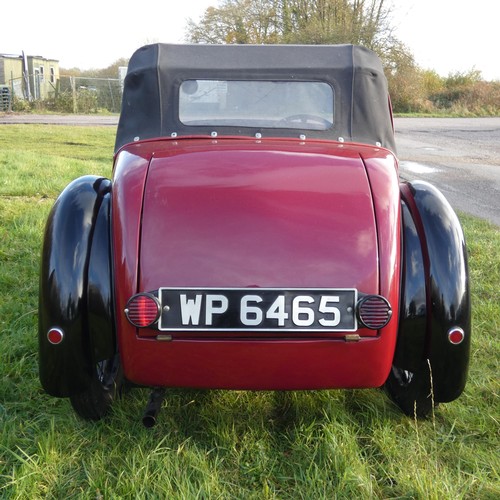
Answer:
(374, 312)
(143, 310)
(456, 335)
(55, 336)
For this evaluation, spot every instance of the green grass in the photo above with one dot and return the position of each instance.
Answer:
(222, 444)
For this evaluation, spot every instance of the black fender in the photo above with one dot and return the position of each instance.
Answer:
(410, 347)
(435, 290)
(75, 292)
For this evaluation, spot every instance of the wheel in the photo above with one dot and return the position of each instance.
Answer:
(313, 121)
(411, 391)
(96, 401)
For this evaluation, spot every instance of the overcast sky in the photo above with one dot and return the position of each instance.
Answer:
(444, 35)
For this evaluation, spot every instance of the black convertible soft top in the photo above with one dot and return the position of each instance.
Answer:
(150, 106)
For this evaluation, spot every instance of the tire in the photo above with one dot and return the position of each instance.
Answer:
(412, 392)
(96, 401)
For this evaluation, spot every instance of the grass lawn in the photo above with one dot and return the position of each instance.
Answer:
(222, 444)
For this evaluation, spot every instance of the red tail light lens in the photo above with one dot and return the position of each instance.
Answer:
(374, 312)
(143, 310)
(456, 335)
(55, 336)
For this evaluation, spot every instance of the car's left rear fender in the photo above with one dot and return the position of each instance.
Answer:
(435, 292)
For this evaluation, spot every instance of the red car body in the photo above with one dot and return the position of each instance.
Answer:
(255, 235)
(268, 213)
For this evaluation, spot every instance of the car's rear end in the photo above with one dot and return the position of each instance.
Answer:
(256, 264)
(254, 236)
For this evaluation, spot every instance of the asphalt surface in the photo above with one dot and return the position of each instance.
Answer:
(91, 120)
(460, 156)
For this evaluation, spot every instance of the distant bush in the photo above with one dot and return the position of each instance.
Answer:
(468, 94)
(89, 96)
(414, 90)
(86, 103)
(21, 105)
(63, 103)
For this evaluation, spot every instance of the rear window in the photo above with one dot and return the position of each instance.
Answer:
(267, 104)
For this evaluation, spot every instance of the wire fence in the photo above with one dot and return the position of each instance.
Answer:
(68, 94)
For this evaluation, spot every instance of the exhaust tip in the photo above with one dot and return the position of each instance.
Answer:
(149, 421)
(153, 407)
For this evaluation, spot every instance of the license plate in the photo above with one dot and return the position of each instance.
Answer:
(258, 309)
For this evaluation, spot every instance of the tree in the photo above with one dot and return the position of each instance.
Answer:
(237, 21)
(361, 22)
(405, 79)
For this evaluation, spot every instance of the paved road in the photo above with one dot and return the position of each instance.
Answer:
(14, 118)
(460, 156)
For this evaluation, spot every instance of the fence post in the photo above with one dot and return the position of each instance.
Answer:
(73, 91)
(11, 91)
(112, 96)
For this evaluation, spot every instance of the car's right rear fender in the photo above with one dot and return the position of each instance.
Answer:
(75, 302)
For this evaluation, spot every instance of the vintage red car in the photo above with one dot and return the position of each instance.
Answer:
(255, 235)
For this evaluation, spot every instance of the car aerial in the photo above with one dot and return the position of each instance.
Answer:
(255, 235)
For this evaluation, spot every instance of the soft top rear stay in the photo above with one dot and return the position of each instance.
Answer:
(360, 110)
